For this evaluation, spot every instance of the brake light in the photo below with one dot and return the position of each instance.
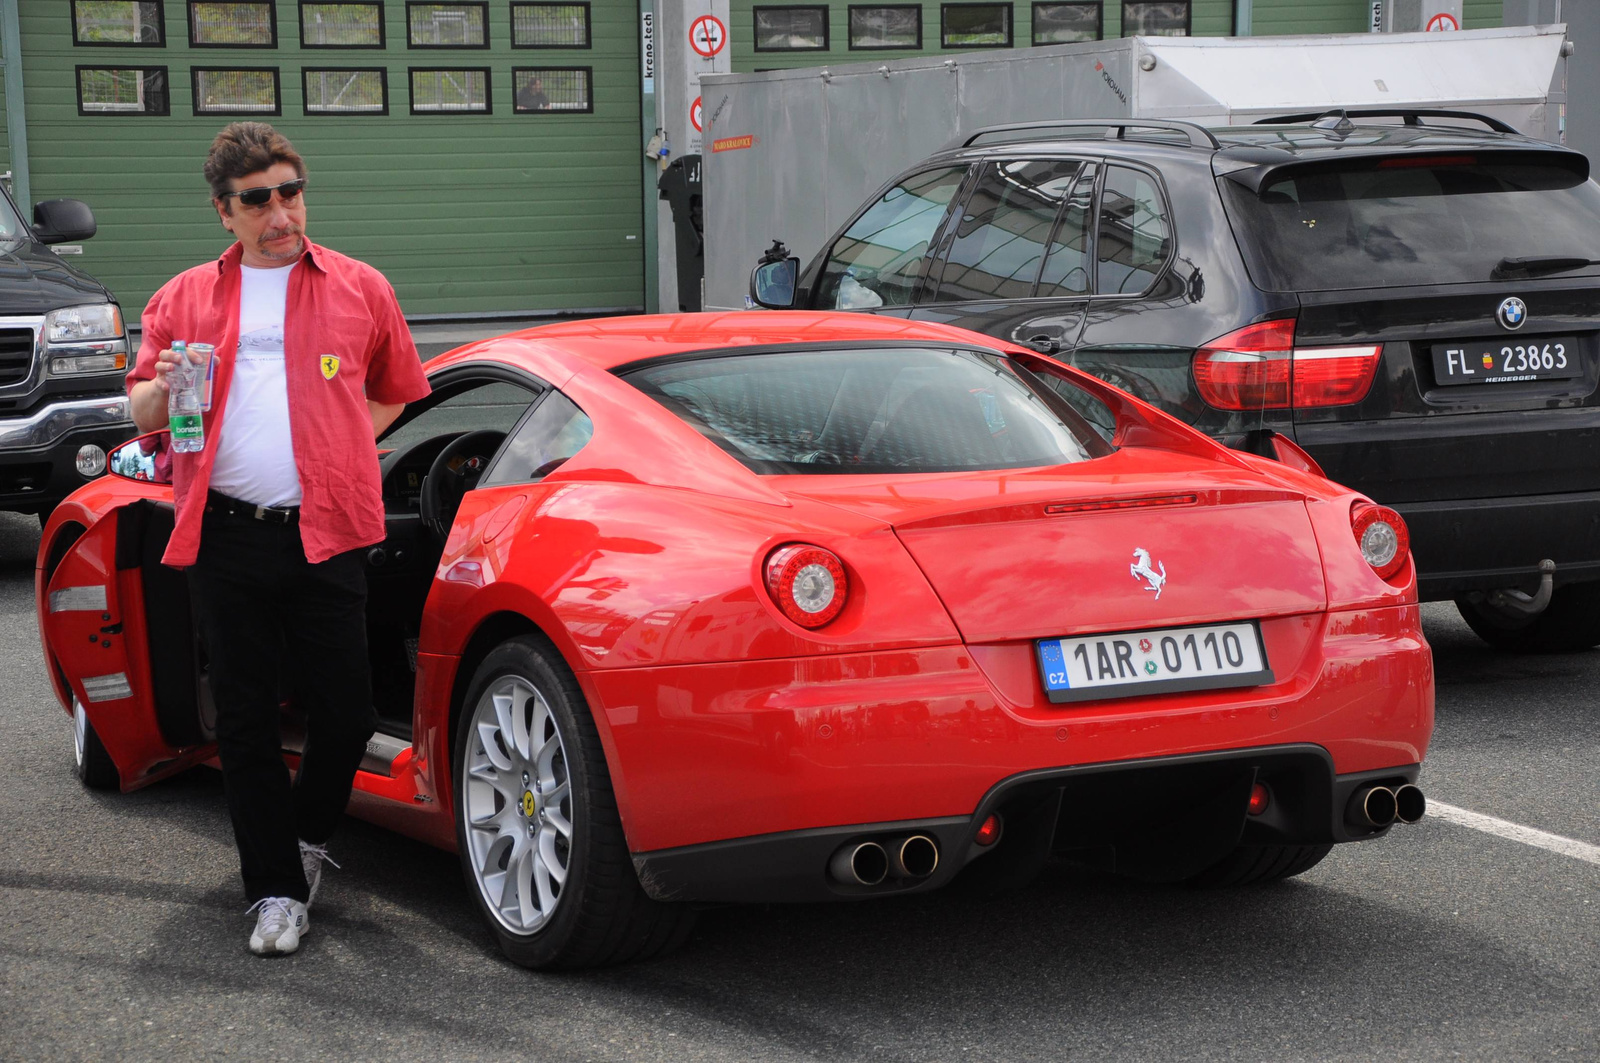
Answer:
(807, 583)
(1407, 162)
(1382, 536)
(1258, 367)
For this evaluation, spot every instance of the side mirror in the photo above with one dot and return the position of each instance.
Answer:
(147, 459)
(772, 284)
(56, 221)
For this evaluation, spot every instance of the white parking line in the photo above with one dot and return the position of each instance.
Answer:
(1515, 831)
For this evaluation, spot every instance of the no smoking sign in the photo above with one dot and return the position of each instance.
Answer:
(707, 36)
(694, 115)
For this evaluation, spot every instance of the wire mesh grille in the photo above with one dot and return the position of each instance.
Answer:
(345, 92)
(550, 25)
(341, 25)
(447, 25)
(122, 90)
(237, 24)
(551, 89)
(449, 90)
(117, 22)
(235, 91)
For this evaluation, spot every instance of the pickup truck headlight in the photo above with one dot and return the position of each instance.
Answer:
(85, 339)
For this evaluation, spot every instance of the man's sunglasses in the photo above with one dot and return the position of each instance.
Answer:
(289, 191)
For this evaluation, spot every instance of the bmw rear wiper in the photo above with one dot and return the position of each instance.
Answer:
(1538, 265)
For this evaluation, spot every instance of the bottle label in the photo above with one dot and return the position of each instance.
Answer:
(186, 427)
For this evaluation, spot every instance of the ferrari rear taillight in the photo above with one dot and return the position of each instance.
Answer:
(1381, 534)
(1258, 367)
(807, 583)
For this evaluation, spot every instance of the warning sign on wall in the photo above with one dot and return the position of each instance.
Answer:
(707, 35)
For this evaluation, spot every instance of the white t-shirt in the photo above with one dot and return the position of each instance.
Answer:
(255, 456)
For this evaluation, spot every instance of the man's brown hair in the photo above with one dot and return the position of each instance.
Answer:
(247, 147)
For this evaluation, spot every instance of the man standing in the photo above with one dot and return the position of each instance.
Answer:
(313, 361)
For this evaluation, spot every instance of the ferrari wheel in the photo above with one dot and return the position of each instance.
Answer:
(92, 763)
(1570, 623)
(541, 843)
(1251, 864)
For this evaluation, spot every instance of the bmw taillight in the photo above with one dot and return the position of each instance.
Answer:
(1382, 536)
(1258, 367)
(807, 583)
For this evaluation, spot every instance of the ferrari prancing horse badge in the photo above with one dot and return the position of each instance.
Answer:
(330, 366)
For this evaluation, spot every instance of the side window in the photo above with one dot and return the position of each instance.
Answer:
(495, 406)
(554, 432)
(1068, 270)
(880, 258)
(1134, 238)
(1000, 240)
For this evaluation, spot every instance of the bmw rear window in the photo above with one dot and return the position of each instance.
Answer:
(898, 410)
(1412, 220)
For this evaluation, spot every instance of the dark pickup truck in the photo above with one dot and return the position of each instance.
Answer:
(63, 356)
(1412, 298)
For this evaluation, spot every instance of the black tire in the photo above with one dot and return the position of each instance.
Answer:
(1570, 623)
(1250, 865)
(602, 915)
(91, 763)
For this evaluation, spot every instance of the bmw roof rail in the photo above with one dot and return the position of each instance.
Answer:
(1412, 116)
(1116, 129)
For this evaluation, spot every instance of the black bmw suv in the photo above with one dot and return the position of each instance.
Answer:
(1412, 298)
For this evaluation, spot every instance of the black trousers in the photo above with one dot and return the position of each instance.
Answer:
(263, 609)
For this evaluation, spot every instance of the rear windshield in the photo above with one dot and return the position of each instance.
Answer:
(1410, 220)
(873, 411)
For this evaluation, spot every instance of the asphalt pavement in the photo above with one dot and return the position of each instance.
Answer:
(123, 933)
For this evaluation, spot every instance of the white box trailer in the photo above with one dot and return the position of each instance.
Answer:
(791, 154)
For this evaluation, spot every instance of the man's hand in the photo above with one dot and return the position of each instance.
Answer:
(148, 398)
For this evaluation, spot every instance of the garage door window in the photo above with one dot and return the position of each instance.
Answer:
(791, 29)
(341, 25)
(455, 91)
(999, 243)
(346, 90)
(549, 25)
(552, 90)
(1161, 18)
(882, 257)
(886, 27)
(236, 90)
(975, 25)
(122, 90)
(118, 22)
(447, 25)
(220, 25)
(1067, 23)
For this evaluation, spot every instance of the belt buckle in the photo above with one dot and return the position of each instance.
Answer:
(268, 513)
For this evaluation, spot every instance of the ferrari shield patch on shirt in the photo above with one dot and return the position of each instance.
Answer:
(330, 366)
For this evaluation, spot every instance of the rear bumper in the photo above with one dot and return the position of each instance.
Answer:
(1493, 543)
(38, 451)
(1125, 809)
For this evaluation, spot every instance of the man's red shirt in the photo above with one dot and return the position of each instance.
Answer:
(344, 342)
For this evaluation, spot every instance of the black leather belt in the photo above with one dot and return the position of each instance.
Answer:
(233, 507)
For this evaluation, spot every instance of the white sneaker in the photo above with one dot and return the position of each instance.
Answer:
(312, 858)
(280, 924)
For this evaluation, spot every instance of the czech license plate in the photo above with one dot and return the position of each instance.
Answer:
(1135, 663)
(1506, 361)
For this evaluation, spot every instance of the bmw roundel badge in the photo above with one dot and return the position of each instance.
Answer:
(1512, 313)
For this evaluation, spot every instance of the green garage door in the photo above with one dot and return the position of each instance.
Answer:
(483, 155)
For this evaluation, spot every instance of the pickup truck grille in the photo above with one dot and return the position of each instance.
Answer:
(16, 355)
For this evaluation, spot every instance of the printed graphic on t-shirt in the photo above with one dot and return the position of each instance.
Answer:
(263, 342)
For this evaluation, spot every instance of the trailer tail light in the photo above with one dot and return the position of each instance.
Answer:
(1382, 536)
(807, 583)
(1258, 367)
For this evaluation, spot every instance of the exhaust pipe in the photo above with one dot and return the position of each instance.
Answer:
(1409, 804)
(913, 857)
(860, 864)
(1372, 806)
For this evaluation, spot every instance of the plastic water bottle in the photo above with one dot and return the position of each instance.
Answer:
(183, 402)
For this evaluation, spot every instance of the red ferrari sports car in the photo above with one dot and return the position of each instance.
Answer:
(793, 606)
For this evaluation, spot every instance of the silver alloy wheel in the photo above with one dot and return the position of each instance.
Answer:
(517, 800)
(80, 731)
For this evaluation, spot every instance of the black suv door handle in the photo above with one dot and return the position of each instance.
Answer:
(1042, 343)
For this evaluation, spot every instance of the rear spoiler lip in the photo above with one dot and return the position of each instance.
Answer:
(1251, 167)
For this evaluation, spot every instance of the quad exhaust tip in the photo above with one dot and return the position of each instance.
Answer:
(869, 863)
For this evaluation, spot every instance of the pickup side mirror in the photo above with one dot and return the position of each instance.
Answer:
(55, 221)
(772, 284)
